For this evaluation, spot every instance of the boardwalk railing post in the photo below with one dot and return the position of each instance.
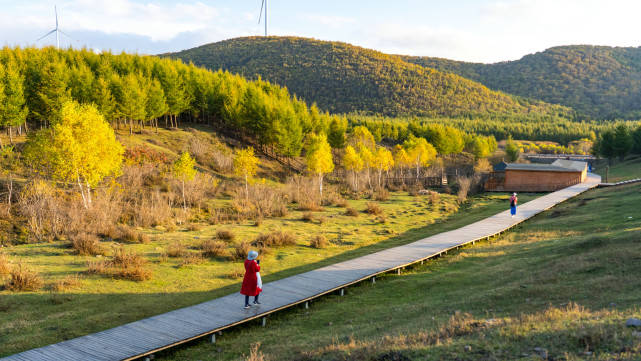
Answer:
(264, 321)
(373, 279)
(398, 271)
(306, 305)
(342, 292)
(212, 338)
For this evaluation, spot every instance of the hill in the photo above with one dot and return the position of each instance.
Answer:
(560, 287)
(598, 81)
(343, 78)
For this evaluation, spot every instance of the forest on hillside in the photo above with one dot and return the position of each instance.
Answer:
(597, 81)
(342, 78)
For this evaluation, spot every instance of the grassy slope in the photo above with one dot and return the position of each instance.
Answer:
(34, 319)
(565, 281)
(620, 171)
(340, 77)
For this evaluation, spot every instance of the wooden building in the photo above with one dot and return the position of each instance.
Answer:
(535, 177)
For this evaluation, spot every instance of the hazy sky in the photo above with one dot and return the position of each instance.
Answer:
(471, 30)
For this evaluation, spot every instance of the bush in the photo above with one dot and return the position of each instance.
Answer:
(130, 265)
(382, 195)
(274, 239)
(373, 208)
(263, 201)
(191, 258)
(194, 227)
(5, 264)
(225, 235)
(67, 283)
(341, 202)
(352, 212)
(129, 235)
(308, 217)
(176, 249)
(318, 242)
(435, 197)
(235, 274)
(23, 279)
(86, 244)
(464, 184)
(97, 267)
(213, 248)
(240, 251)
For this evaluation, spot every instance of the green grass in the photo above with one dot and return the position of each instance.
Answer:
(31, 319)
(630, 168)
(565, 282)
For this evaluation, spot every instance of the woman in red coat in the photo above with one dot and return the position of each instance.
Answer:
(250, 281)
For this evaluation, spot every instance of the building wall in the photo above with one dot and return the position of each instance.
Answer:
(539, 181)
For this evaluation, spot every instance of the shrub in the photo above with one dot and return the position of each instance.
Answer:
(382, 195)
(308, 217)
(23, 279)
(191, 258)
(341, 202)
(97, 266)
(435, 197)
(240, 251)
(225, 235)
(464, 184)
(318, 242)
(130, 235)
(261, 201)
(352, 212)
(69, 282)
(176, 249)
(194, 227)
(130, 265)
(86, 244)
(235, 274)
(5, 264)
(274, 239)
(213, 248)
(373, 208)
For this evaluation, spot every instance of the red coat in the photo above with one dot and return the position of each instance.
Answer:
(250, 281)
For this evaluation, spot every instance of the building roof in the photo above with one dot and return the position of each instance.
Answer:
(572, 164)
(539, 167)
(500, 166)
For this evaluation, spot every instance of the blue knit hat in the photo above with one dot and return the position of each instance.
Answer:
(252, 255)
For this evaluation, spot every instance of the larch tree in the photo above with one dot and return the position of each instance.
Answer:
(52, 92)
(352, 163)
(102, 97)
(3, 122)
(14, 112)
(512, 150)
(184, 170)
(246, 165)
(156, 104)
(133, 103)
(319, 158)
(80, 147)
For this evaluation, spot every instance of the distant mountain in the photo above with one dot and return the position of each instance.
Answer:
(343, 78)
(599, 81)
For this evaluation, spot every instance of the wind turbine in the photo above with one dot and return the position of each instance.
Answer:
(263, 5)
(56, 30)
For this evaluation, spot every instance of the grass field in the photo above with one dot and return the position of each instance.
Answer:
(559, 287)
(630, 168)
(94, 302)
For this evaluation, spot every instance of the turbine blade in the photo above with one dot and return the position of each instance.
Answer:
(45, 35)
(55, 9)
(67, 35)
(261, 11)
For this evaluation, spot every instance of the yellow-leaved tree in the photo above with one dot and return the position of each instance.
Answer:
(352, 162)
(246, 165)
(420, 151)
(80, 147)
(368, 160)
(184, 169)
(401, 159)
(383, 161)
(319, 158)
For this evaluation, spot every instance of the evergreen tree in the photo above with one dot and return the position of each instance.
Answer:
(623, 141)
(156, 104)
(104, 100)
(336, 133)
(14, 112)
(52, 92)
(512, 150)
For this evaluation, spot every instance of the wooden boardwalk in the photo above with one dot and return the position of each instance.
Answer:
(144, 337)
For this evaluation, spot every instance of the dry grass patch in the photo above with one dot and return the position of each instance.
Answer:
(87, 244)
(5, 264)
(67, 283)
(318, 242)
(213, 248)
(374, 209)
(240, 251)
(225, 235)
(176, 249)
(235, 274)
(192, 258)
(127, 234)
(308, 217)
(274, 239)
(124, 264)
(23, 278)
(352, 212)
(382, 195)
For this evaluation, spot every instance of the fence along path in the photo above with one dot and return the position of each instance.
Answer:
(144, 337)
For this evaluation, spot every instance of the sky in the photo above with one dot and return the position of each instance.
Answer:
(470, 30)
